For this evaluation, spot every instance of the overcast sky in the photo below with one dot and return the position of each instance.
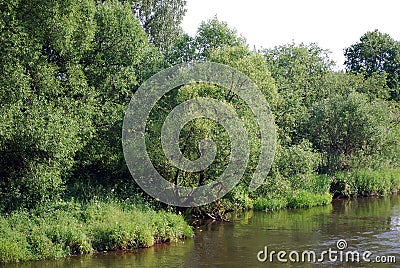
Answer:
(334, 25)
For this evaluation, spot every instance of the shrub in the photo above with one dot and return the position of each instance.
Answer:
(297, 159)
(342, 127)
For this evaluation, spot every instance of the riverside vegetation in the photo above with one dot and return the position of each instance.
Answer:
(68, 70)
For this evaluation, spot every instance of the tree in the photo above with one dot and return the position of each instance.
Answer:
(183, 50)
(161, 20)
(376, 52)
(68, 68)
(121, 59)
(211, 35)
(46, 104)
(347, 128)
(214, 34)
(299, 71)
(344, 83)
(251, 64)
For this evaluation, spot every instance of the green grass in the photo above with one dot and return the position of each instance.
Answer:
(304, 199)
(366, 182)
(269, 204)
(299, 199)
(68, 228)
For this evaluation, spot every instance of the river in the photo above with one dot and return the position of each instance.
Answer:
(368, 228)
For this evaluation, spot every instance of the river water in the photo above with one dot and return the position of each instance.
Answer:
(368, 228)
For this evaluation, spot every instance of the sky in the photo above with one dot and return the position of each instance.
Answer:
(332, 24)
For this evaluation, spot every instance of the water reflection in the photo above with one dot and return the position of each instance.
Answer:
(395, 219)
(366, 224)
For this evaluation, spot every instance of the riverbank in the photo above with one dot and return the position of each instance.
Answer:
(344, 184)
(64, 228)
(69, 228)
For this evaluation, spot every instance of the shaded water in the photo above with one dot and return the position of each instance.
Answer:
(366, 225)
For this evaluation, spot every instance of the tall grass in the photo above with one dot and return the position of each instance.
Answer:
(307, 190)
(304, 199)
(68, 228)
(299, 199)
(366, 182)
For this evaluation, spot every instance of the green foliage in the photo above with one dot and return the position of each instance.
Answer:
(317, 183)
(161, 20)
(366, 182)
(68, 70)
(13, 245)
(272, 204)
(238, 199)
(298, 199)
(297, 159)
(43, 99)
(182, 50)
(304, 199)
(376, 52)
(73, 68)
(213, 34)
(343, 83)
(275, 187)
(299, 72)
(65, 228)
(120, 60)
(249, 63)
(342, 127)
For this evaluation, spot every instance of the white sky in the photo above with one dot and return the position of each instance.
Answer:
(332, 24)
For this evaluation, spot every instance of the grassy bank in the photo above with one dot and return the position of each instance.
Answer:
(307, 190)
(366, 182)
(63, 228)
(351, 183)
(301, 199)
(68, 228)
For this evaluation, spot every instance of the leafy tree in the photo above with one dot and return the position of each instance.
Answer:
(344, 128)
(251, 64)
(344, 83)
(376, 52)
(68, 69)
(121, 59)
(183, 50)
(161, 20)
(46, 104)
(297, 163)
(299, 71)
(215, 34)
(211, 35)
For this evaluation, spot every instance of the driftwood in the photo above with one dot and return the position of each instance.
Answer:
(217, 217)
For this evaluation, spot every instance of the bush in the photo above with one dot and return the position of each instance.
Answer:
(297, 159)
(342, 127)
(315, 183)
